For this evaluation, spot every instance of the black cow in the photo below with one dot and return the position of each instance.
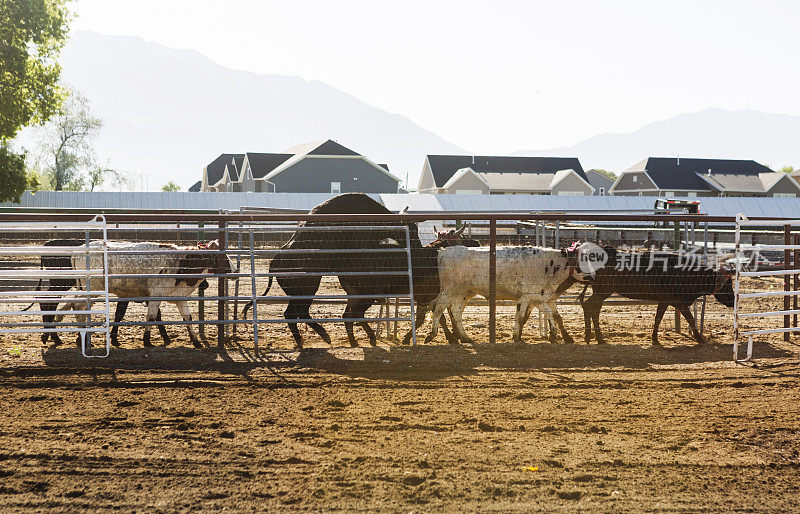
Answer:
(343, 261)
(677, 286)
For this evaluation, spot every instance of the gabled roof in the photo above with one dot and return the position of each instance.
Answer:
(324, 147)
(195, 188)
(216, 168)
(261, 164)
(233, 173)
(738, 183)
(506, 181)
(681, 173)
(445, 166)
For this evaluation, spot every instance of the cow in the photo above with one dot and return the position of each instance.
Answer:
(55, 262)
(126, 258)
(529, 275)
(346, 263)
(656, 277)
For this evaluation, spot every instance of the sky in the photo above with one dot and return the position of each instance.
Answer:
(501, 76)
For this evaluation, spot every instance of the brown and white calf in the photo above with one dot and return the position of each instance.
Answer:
(150, 259)
(528, 275)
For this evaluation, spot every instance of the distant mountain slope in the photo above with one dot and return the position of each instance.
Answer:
(771, 139)
(169, 112)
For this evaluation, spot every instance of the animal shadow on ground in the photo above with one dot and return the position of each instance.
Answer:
(423, 362)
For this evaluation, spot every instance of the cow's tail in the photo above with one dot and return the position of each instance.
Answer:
(250, 303)
(37, 288)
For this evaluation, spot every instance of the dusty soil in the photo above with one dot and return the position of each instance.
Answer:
(620, 427)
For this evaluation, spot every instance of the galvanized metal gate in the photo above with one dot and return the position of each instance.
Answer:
(15, 281)
(790, 274)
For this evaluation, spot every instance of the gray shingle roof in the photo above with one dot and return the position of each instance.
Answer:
(262, 163)
(216, 168)
(445, 166)
(674, 173)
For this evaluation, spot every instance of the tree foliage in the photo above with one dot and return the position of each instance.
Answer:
(606, 173)
(787, 169)
(66, 142)
(13, 178)
(32, 33)
(170, 186)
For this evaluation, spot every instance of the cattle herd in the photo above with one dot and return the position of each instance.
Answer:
(445, 275)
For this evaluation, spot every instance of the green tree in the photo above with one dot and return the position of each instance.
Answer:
(32, 33)
(66, 142)
(170, 186)
(13, 178)
(787, 169)
(606, 173)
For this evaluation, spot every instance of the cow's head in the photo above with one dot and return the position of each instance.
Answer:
(453, 237)
(584, 259)
(218, 264)
(723, 288)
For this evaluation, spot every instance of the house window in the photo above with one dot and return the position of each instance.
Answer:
(570, 193)
(691, 194)
(635, 179)
(669, 193)
(784, 195)
(602, 191)
(336, 187)
(470, 192)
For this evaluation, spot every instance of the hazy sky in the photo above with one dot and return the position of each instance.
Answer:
(499, 76)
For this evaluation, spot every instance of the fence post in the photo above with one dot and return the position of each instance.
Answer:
(492, 277)
(222, 289)
(796, 284)
(787, 279)
(201, 305)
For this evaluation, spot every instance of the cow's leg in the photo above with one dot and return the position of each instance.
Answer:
(162, 329)
(418, 322)
(359, 310)
(48, 318)
(519, 320)
(457, 309)
(119, 314)
(348, 325)
(594, 304)
(183, 308)
(152, 313)
(587, 320)
(662, 308)
(560, 323)
(438, 309)
(291, 313)
(684, 309)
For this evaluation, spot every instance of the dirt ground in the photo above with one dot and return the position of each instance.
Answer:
(621, 427)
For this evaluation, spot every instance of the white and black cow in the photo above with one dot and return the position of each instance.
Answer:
(126, 258)
(528, 275)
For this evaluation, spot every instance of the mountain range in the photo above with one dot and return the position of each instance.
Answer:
(169, 112)
(771, 139)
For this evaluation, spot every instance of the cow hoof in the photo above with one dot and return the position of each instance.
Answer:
(115, 343)
(196, 344)
(454, 342)
(569, 340)
(656, 343)
(45, 337)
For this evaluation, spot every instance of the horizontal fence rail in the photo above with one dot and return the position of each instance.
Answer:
(251, 242)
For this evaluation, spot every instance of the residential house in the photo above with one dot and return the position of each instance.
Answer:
(466, 174)
(662, 176)
(599, 182)
(318, 167)
(196, 187)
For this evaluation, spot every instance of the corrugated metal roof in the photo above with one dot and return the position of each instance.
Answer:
(729, 206)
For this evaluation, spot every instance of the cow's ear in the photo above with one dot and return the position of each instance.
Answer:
(213, 245)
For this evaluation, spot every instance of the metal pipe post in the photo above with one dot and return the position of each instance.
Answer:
(787, 279)
(492, 278)
(201, 306)
(254, 291)
(222, 287)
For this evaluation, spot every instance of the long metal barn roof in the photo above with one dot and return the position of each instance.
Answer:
(303, 202)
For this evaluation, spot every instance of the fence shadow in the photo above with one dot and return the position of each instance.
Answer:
(423, 362)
